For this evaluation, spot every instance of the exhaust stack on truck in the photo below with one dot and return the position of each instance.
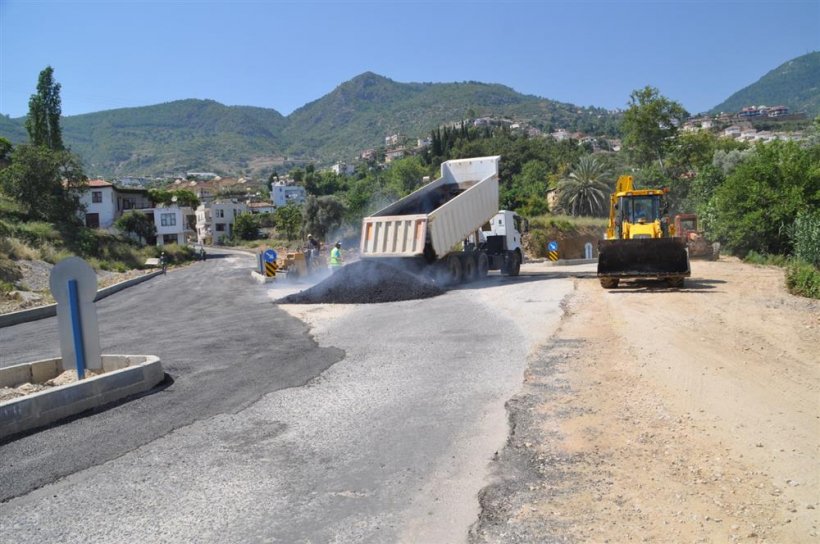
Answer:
(451, 225)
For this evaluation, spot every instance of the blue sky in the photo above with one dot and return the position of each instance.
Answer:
(282, 55)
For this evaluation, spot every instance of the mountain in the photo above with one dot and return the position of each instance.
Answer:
(192, 134)
(795, 84)
(361, 112)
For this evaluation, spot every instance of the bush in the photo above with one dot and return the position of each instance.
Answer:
(9, 271)
(753, 257)
(807, 237)
(37, 233)
(803, 279)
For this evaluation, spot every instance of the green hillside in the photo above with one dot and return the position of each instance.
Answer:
(361, 112)
(795, 84)
(204, 135)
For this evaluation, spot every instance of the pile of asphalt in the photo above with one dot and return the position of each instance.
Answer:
(366, 282)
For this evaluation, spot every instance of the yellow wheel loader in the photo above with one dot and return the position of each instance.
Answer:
(640, 242)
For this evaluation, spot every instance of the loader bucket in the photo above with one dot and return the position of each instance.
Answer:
(643, 258)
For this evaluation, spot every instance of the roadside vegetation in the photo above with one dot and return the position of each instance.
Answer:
(754, 198)
(40, 210)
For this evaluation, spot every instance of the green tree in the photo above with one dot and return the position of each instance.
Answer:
(585, 191)
(289, 219)
(5, 152)
(136, 224)
(650, 125)
(44, 110)
(755, 208)
(45, 183)
(405, 175)
(323, 215)
(246, 227)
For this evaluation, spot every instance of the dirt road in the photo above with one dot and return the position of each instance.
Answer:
(658, 415)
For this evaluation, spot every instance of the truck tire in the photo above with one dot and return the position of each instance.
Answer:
(468, 268)
(512, 264)
(609, 283)
(453, 269)
(482, 266)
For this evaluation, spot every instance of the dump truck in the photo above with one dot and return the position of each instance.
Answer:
(451, 227)
(639, 240)
(686, 227)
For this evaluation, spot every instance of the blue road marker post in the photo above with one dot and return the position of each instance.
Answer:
(76, 328)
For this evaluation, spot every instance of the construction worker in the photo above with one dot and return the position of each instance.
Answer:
(336, 257)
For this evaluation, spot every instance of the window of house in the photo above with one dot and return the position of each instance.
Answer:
(220, 213)
(168, 219)
(220, 227)
(96, 197)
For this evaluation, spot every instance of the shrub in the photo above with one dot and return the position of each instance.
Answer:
(37, 233)
(807, 237)
(9, 271)
(803, 279)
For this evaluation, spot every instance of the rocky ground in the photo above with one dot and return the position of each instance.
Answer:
(665, 415)
(33, 289)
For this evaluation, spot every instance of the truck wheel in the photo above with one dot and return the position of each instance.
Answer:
(482, 266)
(609, 283)
(512, 264)
(515, 265)
(453, 270)
(468, 268)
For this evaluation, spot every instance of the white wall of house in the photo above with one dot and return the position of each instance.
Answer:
(215, 220)
(100, 201)
(170, 225)
(282, 195)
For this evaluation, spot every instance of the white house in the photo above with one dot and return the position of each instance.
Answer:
(214, 221)
(261, 207)
(99, 199)
(342, 169)
(282, 194)
(170, 224)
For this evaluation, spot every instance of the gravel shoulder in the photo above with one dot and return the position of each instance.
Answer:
(661, 415)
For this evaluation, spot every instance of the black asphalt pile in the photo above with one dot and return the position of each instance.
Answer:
(366, 282)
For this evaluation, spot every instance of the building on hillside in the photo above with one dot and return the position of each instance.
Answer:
(343, 169)
(282, 194)
(99, 200)
(732, 131)
(132, 199)
(261, 207)
(560, 135)
(214, 221)
(393, 139)
(394, 154)
(367, 155)
(104, 203)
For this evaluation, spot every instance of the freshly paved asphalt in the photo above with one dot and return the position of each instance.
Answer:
(221, 342)
(383, 432)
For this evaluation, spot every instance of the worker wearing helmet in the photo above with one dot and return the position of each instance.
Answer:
(336, 257)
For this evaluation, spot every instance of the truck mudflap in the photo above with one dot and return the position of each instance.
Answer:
(643, 258)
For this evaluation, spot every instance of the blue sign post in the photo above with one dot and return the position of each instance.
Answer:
(552, 250)
(269, 268)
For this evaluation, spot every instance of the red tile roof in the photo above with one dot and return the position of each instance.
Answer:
(99, 183)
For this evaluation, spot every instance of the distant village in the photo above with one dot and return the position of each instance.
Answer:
(222, 199)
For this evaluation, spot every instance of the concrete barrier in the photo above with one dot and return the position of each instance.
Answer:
(50, 310)
(124, 375)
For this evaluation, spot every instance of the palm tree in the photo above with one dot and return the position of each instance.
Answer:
(584, 191)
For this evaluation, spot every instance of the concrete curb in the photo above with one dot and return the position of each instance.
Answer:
(50, 310)
(125, 375)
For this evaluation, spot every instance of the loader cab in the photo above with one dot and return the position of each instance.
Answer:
(640, 209)
(641, 215)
